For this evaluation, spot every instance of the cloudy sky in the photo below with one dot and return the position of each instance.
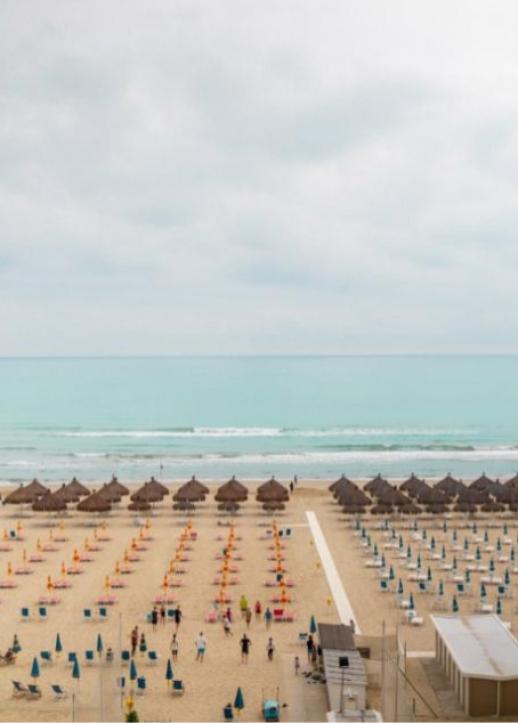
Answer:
(258, 177)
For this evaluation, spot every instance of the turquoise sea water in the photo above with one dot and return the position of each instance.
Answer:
(257, 416)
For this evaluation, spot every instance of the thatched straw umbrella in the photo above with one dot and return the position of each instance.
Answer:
(354, 509)
(147, 493)
(354, 496)
(184, 506)
(376, 485)
(114, 484)
(230, 507)
(342, 482)
(513, 482)
(482, 483)
(66, 493)
(231, 491)
(79, 489)
(109, 493)
(96, 502)
(449, 485)
(437, 508)
(410, 509)
(49, 503)
(473, 496)
(392, 496)
(21, 496)
(432, 496)
(192, 491)
(505, 495)
(412, 486)
(492, 507)
(273, 506)
(156, 485)
(465, 507)
(382, 509)
(272, 491)
(139, 506)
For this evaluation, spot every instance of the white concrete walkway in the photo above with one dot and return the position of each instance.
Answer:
(345, 611)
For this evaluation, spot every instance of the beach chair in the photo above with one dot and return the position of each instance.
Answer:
(422, 586)
(59, 692)
(121, 682)
(141, 686)
(72, 657)
(125, 657)
(278, 615)
(25, 614)
(303, 638)
(46, 656)
(152, 657)
(177, 688)
(171, 613)
(89, 657)
(87, 614)
(384, 586)
(413, 618)
(19, 689)
(103, 613)
(211, 617)
(34, 692)
(42, 613)
(460, 588)
(228, 713)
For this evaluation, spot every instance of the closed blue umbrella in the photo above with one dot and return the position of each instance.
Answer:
(239, 701)
(411, 604)
(35, 669)
(505, 530)
(499, 607)
(133, 670)
(99, 644)
(58, 646)
(76, 670)
(392, 574)
(169, 671)
(16, 645)
(400, 587)
(483, 591)
(440, 591)
(312, 625)
(454, 605)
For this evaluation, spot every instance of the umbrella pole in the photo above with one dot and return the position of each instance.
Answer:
(100, 689)
(73, 707)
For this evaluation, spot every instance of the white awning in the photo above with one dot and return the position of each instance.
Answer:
(480, 645)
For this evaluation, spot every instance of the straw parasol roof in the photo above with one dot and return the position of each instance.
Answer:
(354, 496)
(231, 491)
(192, 491)
(139, 506)
(412, 486)
(354, 509)
(449, 485)
(49, 503)
(482, 483)
(96, 502)
(342, 482)
(382, 509)
(273, 506)
(410, 509)
(109, 493)
(513, 482)
(465, 507)
(147, 493)
(431, 496)
(21, 496)
(376, 485)
(228, 507)
(473, 496)
(78, 488)
(66, 494)
(272, 491)
(504, 494)
(492, 507)
(114, 484)
(392, 496)
(437, 508)
(184, 506)
(156, 485)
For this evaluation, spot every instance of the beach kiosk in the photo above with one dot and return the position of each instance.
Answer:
(346, 679)
(479, 655)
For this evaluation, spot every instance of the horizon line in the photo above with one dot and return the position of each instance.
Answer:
(244, 355)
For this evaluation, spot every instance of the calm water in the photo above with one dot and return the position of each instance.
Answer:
(257, 416)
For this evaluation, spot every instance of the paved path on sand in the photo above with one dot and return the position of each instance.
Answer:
(343, 606)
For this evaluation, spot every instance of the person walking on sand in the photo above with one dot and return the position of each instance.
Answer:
(174, 647)
(245, 644)
(177, 617)
(291, 487)
(154, 618)
(310, 646)
(142, 645)
(162, 615)
(201, 646)
(243, 605)
(268, 615)
(227, 627)
(134, 641)
(258, 610)
(248, 617)
(296, 665)
(270, 649)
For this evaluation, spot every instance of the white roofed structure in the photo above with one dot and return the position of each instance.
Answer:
(480, 657)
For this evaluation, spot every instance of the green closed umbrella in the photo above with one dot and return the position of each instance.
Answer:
(35, 669)
(76, 670)
(499, 607)
(454, 605)
(239, 702)
(169, 671)
(133, 670)
(312, 625)
(58, 646)
(16, 645)
(100, 645)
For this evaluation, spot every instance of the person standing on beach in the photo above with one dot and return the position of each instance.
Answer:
(174, 647)
(177, 617)
(258, 610)
(270, 649)
(243, 605)
(134, 641)
(154, 618)
(296, 665)
(291, 487)
(227, 626)
(248, 617)
(201, 646)
(162, 615)
(310, 645)
(268, 615)
(245, 644)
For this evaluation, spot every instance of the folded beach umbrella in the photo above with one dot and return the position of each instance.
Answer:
(100, 645)
(239, 700)
(35, 669)
(16, 644)
(133, 670)
(76, 670)
(455, 605)
(168, 671)
(58, 646)
(312, 625)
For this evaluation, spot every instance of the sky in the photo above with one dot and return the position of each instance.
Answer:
(267, 177)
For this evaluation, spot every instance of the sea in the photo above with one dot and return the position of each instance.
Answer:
(257, 416)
